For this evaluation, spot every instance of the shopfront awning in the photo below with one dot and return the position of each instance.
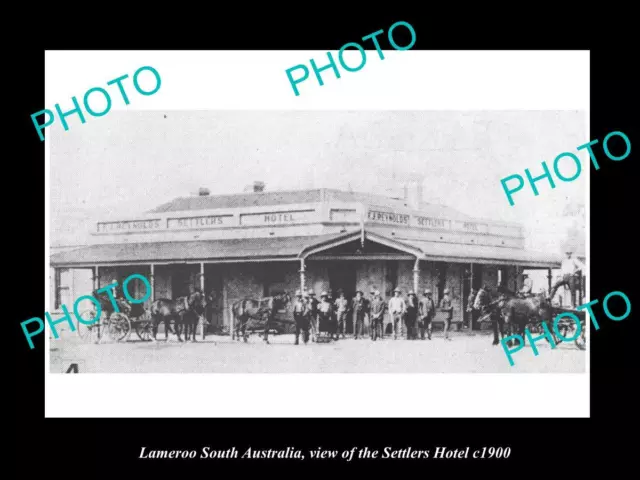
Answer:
(438, 251)
(460, 253)
(292, 248)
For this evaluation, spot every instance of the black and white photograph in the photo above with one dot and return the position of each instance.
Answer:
(214, 238)
(317, 242)
(383, 245)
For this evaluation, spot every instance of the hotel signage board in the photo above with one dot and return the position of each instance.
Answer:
(263, 219)
(428, 222)
(388, 217)
(130, 226)
(278, 218)
(419, 221)
(207, 221)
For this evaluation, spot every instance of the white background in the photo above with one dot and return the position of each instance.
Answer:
(256, 81)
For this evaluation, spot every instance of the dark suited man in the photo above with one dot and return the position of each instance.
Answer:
(359, 307)
(378, 307)
(447, 306)
(341, 307)
(301, 318)
(334, 315)
(312, 303)
(427, 310)
(411, 316)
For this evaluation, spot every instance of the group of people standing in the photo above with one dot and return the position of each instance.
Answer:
(330, 316)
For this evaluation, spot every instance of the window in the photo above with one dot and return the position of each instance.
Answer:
(63, 288)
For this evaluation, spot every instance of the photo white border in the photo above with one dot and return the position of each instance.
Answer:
(409, 80)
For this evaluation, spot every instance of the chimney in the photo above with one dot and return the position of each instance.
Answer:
(203, 192)
(413, 193)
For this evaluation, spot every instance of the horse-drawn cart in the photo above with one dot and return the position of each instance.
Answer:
(566, 329)
(116, 326)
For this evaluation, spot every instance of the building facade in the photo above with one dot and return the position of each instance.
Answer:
(261, 243)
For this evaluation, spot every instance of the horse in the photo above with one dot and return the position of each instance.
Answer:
(164, 310)
(262, 310)
(517, 312)
(493, 312)
(196, 305)
(184, 311)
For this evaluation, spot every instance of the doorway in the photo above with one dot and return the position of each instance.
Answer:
(342, 276)
(181, 281)
(214, 289)
(476, 284)
(467, 300)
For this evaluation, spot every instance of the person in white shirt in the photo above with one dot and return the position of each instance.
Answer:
(397, 309)
(527, 286)
(571, 270)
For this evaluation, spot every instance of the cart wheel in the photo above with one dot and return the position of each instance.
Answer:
(88, 332)
(144, 330)
(533, 327)
(581, 341)
(568, 330)
(118, 327)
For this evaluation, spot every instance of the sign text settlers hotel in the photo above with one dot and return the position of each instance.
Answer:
(387, 217)
(208, 221)
(290, 217)
(425, 222)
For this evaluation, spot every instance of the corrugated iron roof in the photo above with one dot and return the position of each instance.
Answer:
(456, 252)
(228, 249)
(251, 199)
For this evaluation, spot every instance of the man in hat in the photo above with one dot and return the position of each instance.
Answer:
(342, 309)
(447, 306)
(359, 307)
(472, 314)
(313, 313)
(489, 310)
(527, 286)
(427, 310)
(571, 270)
(483, 299)
(301, 317)
(411, 316)
(367, 301)
(397, 309)
(334, 315)
(378, 307)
